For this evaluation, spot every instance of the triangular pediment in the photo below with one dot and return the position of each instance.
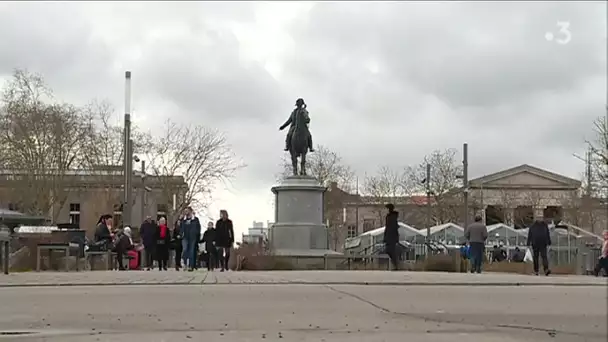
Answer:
(525, 176)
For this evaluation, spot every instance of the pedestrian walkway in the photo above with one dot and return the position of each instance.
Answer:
(95, 278)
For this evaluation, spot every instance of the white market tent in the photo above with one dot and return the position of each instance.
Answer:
(506, 234)
(447, 233)
(373, 237)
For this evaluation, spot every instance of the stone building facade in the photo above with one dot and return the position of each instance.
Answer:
(513, 196)
(86, 195)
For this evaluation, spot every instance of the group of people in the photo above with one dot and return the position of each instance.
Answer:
(117, 240)
(185, 238)
(157, 240)
(476, 234)
(539, 239)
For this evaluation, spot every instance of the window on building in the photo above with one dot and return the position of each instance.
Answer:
(351, 231)
(117, 215)
(75, 213)
(368, 224)
(161, 211)
(13, 206)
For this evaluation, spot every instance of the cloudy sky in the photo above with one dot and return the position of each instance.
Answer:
(385, 83)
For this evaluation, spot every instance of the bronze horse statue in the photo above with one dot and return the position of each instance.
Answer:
(298, 138)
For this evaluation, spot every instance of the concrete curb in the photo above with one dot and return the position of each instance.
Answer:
(404, 284)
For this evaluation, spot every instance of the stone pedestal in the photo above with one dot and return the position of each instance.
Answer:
(299, 227)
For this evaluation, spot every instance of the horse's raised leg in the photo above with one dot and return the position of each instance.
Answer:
(303, 164)
(294, 163)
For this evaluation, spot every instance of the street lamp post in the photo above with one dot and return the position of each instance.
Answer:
(143, 190)
(127, 152)
(465, 181)
(428, 209)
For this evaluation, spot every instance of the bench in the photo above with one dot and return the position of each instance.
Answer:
(65, 247)
(110, 256)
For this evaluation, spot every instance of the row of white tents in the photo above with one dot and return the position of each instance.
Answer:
(451, 234)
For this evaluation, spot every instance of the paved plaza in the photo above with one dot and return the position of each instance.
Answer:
(300, 306)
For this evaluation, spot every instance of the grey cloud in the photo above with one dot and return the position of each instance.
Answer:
(448, 73)
(476, 72)
(55, 41)
(469, 54)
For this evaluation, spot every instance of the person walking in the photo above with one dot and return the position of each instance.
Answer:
(224, 238)
(539, 239)
(190, 228)
(148, 233)
(602, 260)
(163, 239)
(209, 241)
(176, 239)
(476, 235)
(391, 235)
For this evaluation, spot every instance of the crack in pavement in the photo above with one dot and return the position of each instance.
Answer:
(493, 327)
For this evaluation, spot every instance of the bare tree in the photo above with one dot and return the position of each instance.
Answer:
(42, 141)
(327, 167)
(387, 185)
(444, 184)
(199, 154)
(599, 158)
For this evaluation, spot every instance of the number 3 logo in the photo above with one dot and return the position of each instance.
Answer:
(564, 29)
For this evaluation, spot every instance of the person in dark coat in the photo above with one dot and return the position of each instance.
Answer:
(163, 239)
(209, 241)
(148, 233)
(190, 228)
(176, 240)
(539, 239)
(103, 231)
(391, 234)
(224, 239)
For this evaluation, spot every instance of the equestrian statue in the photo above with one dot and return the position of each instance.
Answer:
(299, 140)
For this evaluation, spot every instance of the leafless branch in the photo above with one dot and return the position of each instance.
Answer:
(200, 155)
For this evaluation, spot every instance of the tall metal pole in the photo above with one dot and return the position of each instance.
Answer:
(127, 152)
(428, 203)
(143, 189)
(605, 142)
(357, 207)
(465, 181)
(589, 172)
(130, 202)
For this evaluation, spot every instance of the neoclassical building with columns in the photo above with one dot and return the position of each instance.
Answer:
(517, 195)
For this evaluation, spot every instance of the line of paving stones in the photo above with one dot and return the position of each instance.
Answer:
(286, 277)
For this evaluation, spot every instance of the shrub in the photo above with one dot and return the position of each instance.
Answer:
(440, 263)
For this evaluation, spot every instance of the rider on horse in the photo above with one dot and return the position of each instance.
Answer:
(300, 106)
